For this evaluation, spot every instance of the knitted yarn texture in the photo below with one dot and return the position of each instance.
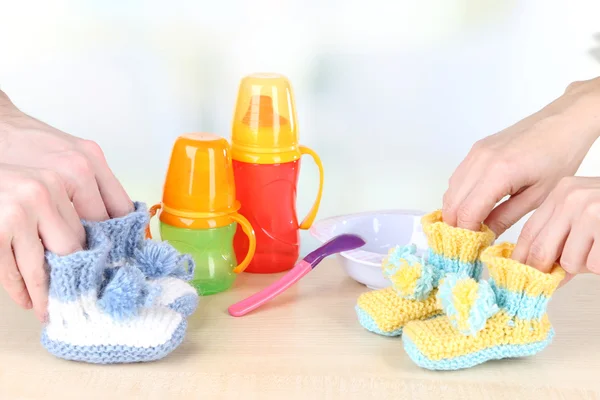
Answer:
(504, 317)
(159, 261)
(415, 280)
(121, 300)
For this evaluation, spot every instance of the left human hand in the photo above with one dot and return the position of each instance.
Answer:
(565, 228)
(92, 187)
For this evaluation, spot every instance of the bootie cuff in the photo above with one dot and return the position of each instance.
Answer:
(512, 275)
(126, 233)
(520, 289)
(455, 250)
(81, 272)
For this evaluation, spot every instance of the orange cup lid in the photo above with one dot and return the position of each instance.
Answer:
(199, 181)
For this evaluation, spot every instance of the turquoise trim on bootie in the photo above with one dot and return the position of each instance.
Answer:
(369, 324)
(520, 304)
(449, 265)
(476, 358)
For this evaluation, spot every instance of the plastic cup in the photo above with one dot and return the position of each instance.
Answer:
(199, 211)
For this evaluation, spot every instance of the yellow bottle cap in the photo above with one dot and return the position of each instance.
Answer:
(265, 126)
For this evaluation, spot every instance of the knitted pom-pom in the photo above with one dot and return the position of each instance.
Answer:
(126, 293)
(159, 259)
(397, 256)
(411, 276)
(467, 303)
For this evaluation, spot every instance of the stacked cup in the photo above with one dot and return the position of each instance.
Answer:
(199, 210)
(200, 213)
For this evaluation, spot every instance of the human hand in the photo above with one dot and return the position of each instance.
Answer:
(93, 189)
(524, 161)
(36, 214)
(566, 227)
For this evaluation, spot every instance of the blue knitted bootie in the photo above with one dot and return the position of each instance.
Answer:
(101, 314)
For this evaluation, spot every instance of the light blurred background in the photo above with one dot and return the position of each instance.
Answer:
(391, 94)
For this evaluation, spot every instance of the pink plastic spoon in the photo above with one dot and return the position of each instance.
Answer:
(336, 245)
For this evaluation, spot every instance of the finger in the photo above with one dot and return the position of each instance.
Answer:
(549, 243)
(69, 215)
(56, 235)
(114, 196)
(479, 203)
(29, 255)
(577, 248)
(531, 229)
(509, 212)
(11, 278)
(116, 200)
(461, 183)
(593, 258)
(64, 206)
(82, 188)
(88, 202)
(51, 233)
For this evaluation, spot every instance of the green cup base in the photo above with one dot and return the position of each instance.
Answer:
(209, 287)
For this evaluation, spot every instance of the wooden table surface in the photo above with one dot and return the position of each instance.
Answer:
(307, 344)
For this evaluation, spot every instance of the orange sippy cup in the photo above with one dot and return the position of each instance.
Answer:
(199, 211)
(266, 163)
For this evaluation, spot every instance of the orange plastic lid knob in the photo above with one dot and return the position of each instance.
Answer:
(199, 184)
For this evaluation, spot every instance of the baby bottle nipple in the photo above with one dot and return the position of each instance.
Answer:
(261, 113)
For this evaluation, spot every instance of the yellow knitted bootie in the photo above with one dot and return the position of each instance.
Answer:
(412, 295)
(502, 318)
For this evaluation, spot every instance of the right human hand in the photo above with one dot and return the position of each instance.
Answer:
(524, 161)
(36, 214)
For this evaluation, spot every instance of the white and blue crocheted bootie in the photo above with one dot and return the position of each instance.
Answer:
(101, 314)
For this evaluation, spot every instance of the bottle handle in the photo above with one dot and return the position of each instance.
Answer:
(152, 211)
(309, 219)
(249, 231)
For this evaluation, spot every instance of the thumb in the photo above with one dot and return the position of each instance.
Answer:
(509, 212)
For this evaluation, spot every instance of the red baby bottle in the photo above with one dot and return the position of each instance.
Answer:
(266, 163)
